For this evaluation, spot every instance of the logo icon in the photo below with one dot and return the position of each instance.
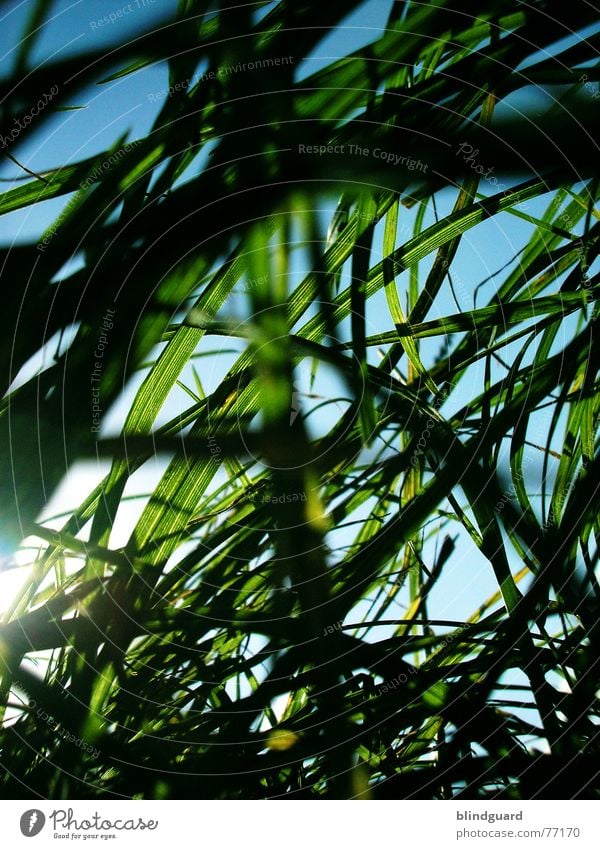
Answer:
(32, 822)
